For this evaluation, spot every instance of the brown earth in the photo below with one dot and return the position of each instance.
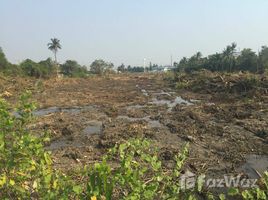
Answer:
(88, 116)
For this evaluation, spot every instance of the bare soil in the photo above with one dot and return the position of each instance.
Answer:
(88, 116)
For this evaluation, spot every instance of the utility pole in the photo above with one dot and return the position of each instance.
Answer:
(171, 61)
(258, 61)
(144, 63)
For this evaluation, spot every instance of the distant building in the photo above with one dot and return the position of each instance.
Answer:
(169, 68)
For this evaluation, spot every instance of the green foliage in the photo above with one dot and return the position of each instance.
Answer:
(3, 60)
(229, 60)
(182, 85)
(264, 58)
(141, 175)
(54, 46)
(25, 167)
(135, 69)
(194, 63)
(247, 61)
(138, 174)
(170, 76)
(6, 67)
(137, 161)
(101, 181)
(72, 69)
(101, 67)
(43, 69)
(121, 68)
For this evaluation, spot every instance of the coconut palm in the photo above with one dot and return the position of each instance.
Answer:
(228, 56)
(54, 46)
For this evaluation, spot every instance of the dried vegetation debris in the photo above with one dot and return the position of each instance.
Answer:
(226, 120)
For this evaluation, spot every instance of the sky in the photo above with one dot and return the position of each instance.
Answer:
(127, 31)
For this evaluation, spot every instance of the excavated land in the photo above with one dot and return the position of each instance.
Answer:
(223, 117)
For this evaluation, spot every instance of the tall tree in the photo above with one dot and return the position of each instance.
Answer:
(121, 68)
(228, 57)
(3, 60)
(263, 56)
(72, 68)
(182, 64)
(54, 46)
(100, 67)
(248, 61)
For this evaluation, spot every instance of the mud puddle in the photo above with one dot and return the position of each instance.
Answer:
(54, 109)
(93, 127)
(255, 166)
(47, 111)
(63, 143)
(171, 104)
(164, 93)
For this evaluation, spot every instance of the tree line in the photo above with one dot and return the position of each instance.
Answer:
(133, 69)
(43, 69)
(70, 68)
(49, 68)
(229, 60)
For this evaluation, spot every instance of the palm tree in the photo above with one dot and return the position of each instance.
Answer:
(198, 55)
(228, 56)
(54, 46)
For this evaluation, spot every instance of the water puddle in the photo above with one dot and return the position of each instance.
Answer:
(154, 123)
(151, 123)
(93, 127)
(255, 166)
(171, 104)
(144, 92)
(164, 93)
(62, 143)
(51, 110)
(47, 111)
(195, 101)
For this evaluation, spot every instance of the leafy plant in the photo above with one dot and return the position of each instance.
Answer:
(25, 167)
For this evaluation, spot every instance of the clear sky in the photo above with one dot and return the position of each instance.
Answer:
(126, 31)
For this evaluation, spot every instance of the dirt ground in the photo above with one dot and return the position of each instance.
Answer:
(88, 116)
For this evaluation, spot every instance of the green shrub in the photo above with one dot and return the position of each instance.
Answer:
(25, 167)
(43, 69)
(72, 69)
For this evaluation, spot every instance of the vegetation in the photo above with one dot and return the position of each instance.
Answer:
(3, 61)
(54, 46)
(26, 170)
(6, 67)
(101, 67)
(72, 69)
(43, 69)
(229, 60)
(264, 57)
(134, 69)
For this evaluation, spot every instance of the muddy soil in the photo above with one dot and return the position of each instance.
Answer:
(88, 116)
